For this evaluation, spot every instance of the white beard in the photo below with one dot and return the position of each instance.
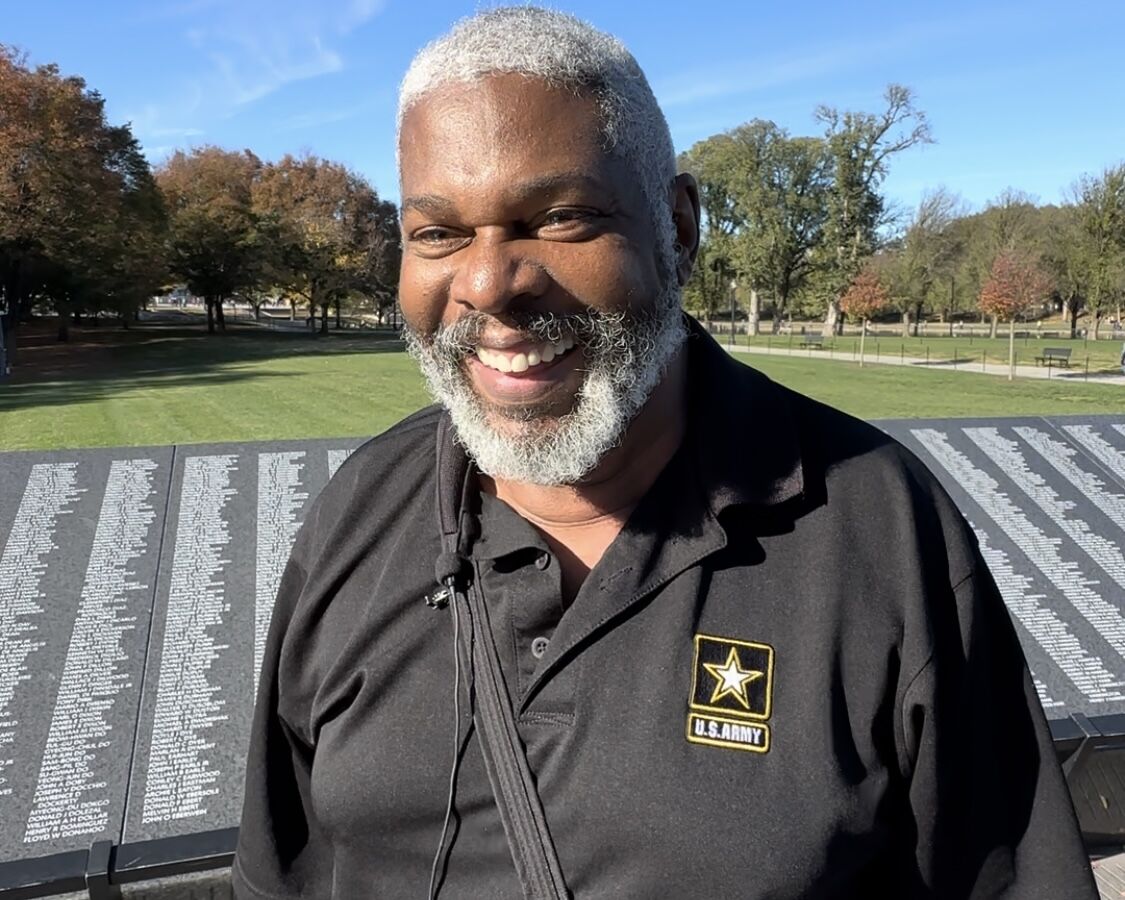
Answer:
(626, 356)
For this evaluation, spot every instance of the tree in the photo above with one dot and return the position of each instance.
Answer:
(861, 146)
(1066, 258)
(929, 249)
(712, 163)
(766, 193)
(333, 238)
(864, 297)
(1015, 284)
(1099, 257)
(81, 220)
(216, 244)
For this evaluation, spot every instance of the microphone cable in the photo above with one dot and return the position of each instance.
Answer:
(441, 855)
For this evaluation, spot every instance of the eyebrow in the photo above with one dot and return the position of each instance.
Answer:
(554, 182)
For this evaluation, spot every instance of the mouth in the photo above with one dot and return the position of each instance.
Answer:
(519, 361)
(544, 375)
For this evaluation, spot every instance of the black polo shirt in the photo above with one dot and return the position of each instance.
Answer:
(789, 676)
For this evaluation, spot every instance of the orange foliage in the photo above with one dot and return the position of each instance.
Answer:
(1014, 286)
(865, 296)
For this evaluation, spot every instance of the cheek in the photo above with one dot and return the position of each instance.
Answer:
(605, 275)
(422, 293)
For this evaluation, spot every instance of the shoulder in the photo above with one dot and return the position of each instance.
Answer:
(876, 490)
(377, 479)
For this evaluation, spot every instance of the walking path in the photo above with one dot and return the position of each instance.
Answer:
(967, 364)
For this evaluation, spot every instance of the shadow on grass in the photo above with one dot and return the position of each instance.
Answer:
(958, 363)
(100, 362)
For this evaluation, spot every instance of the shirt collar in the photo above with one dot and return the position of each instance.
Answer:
(741, 426)
(741, 439)
(501, 530)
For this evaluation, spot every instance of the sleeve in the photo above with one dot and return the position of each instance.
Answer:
(991, 813)
(282, 851)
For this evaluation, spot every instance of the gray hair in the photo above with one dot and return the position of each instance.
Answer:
(567, 53)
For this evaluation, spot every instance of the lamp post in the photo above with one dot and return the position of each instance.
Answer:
(733, 285)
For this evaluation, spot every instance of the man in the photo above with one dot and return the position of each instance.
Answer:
(748, 644)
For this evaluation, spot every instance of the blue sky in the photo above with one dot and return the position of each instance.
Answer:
(1027, 95)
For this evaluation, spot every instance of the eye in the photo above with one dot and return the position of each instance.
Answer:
(432, 234)
(570, 222)
(436, 240)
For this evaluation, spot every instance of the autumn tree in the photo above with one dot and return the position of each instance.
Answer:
(864, 297)
(216, 245)
(1015, 285)
(81, 220)
(332, 237)
(861, 146)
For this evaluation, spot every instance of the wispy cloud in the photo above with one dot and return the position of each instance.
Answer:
(241, 53)
(767, 72)
(316, 118)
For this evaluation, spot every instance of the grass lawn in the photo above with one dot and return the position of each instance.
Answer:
(1101, 356)
(167, 385)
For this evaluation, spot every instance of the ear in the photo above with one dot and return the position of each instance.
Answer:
(685, 216)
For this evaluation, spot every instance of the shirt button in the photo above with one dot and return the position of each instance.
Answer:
(539, 647)
(543, 560)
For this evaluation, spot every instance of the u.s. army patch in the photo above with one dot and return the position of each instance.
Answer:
(731, 694)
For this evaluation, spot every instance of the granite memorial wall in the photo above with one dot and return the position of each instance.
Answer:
(136, 586)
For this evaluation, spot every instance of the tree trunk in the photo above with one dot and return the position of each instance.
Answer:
(833, 321)
(337, 305)
(220, 318)
(992, 327)
(64, 325)
(13, 294)
(862, 338)
(1097, 323)
(917, 319)
(905, 322)
(753, 326)
(210, 305)
(324, 318)
(1012, 350)
(292, 310)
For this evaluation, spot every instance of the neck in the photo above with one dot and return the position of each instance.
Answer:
(621, 479)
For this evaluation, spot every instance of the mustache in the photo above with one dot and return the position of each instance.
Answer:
(592, 329)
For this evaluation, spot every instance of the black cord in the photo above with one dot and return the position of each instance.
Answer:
(439, 855)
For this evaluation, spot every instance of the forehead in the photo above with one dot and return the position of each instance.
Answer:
(500, 128)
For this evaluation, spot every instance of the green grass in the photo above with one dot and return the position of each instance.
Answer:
(1102, 356)
(184, 387)
(167, 385)
(893, 392)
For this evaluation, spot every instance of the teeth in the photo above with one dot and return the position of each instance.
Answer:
(521, 362)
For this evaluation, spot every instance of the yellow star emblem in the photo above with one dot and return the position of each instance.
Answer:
(731, 679)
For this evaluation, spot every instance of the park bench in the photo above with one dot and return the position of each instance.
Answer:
(1052, 355)
(813, 341)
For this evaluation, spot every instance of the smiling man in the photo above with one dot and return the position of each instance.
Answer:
(697, 635)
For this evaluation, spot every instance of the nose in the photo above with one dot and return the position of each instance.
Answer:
(494, 272)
